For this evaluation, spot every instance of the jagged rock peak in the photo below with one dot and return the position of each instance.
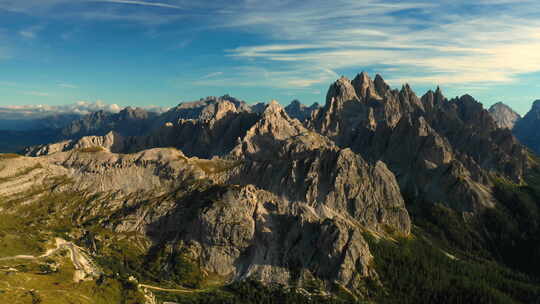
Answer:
(273, 107)
(363, 78)
(471, 110)
(432, 98)
(504, 116)
(439, 96)
(380, 85)
(437, 93)
(258, 107)
(296, 103)
(406, 87)
(218, 110)
(364, 86)
(133, 113)
(273, 117)
(206, 108)
(266, 137)
(274, 114)
(239, 104)
(300, 111)
(341, 91)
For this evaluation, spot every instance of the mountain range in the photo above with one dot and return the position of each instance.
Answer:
(378, 196)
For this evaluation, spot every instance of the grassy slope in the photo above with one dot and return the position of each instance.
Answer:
(28, 229)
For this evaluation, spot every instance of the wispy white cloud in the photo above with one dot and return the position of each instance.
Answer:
(15, 112)
(211, 75)
(156, 109)
(419, 41)
(42, 110)
(182, 44)
(137, 11)
(435, 42)
(37, 93)
(257, 76)
(40, 6)
(67, 85)
(27, 34)
(143, 3)
(30, 32)
(8, 83)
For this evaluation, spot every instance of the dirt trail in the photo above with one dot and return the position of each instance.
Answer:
(84, 267)
(168, 290)
(19, 257)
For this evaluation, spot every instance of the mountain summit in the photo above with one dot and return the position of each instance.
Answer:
(504, 116)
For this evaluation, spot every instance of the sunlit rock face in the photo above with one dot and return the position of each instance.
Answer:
(504, 116)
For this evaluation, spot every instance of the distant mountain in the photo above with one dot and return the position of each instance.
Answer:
(128, 122)
(504, 116)
(527, 130)
(15, 141)
(55, 121)
(209, 126)
(38, 117)
(299, 111)
(17, 132)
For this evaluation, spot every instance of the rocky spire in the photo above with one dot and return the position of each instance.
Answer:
(432, 99)
(340, 91)
(275, 124)
(381, 86)
(342, 106)
(364, 86)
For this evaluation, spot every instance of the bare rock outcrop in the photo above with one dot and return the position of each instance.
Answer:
(504, 116)
(282, 156)
(431, 144)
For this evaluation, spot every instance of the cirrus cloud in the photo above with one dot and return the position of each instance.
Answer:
(494, 42)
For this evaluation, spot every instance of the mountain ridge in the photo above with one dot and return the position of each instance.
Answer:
(220, 192)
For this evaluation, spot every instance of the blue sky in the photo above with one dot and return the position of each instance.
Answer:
(132, 52)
